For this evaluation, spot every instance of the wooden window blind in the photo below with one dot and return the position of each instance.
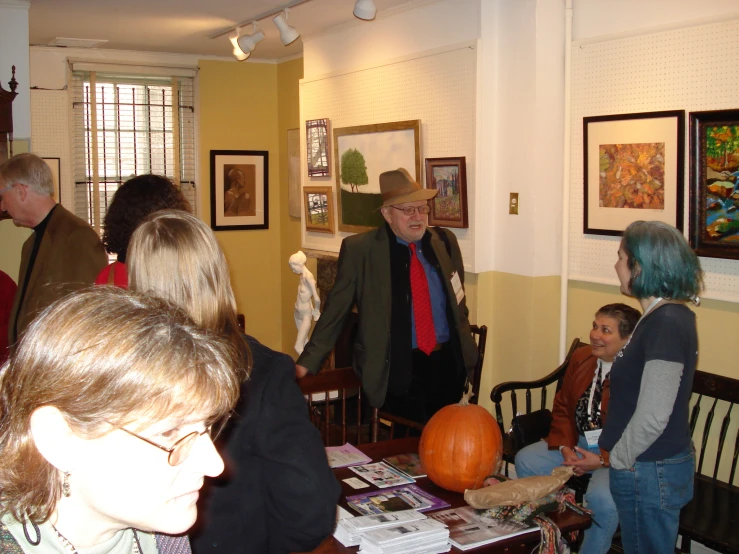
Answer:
(127, 125)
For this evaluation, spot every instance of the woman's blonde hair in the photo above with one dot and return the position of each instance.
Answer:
(174, 255)
(104, 358)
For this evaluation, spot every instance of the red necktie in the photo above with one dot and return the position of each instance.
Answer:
(425, 332)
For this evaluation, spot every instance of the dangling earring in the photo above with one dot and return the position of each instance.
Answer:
(66, 490)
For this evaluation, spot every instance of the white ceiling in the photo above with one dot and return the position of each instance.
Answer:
(184, 26)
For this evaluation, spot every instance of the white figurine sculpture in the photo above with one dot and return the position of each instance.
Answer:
(307, 306)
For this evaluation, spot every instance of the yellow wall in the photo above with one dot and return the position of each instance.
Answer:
(288, 75)
(240, 109)
(716, 323)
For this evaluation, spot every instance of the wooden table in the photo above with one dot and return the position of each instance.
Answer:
(566, 521)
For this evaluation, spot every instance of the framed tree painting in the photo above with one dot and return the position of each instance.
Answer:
(449, 177)
(319, 209)
(714, 183)
(316, 141)
(239, 190)
(633, 169)
(361, 153)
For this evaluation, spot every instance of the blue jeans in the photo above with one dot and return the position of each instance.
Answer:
(649, 497)
(537, 459)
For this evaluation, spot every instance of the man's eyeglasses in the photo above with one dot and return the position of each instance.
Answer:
(410, 210)
(180, 450)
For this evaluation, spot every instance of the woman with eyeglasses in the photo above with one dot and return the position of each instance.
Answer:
(278, 493)
(648, 432)
(105, 411)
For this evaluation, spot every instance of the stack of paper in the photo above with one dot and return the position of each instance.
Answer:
(349, 530)
(347, 455)
(381, 475)
(470, 528)
(426, 536)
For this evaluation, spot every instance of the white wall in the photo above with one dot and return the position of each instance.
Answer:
(14, 52)
(416, 27)
(595, 18)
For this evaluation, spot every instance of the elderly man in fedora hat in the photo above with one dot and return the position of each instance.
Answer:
(413, 348)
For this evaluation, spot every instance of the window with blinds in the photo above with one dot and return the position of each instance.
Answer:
(127, 125)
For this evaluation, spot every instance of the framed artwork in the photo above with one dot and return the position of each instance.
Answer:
(633, 169)
(293, 172)
(239, 190)
(361, 154)
(714, 183)
(55, 164)
(449, 177)
(319, 209)
(316, 141)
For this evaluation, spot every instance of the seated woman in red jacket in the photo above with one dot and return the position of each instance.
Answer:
(579, 410)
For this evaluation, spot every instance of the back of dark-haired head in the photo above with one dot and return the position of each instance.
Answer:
(626, 316)
(661, 261)
(132, 203)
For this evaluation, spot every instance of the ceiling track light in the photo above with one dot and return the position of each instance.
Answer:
(288, 34)
(247, 43)
(238, 53)
(365, 9)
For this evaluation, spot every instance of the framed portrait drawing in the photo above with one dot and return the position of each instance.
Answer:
(361, 153)
(632, 169)
(449, 177)
(55, 164)
(239, 190)
(714, 183)
(316, 141)
(319, 209)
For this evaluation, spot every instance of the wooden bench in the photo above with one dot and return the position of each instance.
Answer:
(712, 517)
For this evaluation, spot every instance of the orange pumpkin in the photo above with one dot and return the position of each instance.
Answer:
(460, 446)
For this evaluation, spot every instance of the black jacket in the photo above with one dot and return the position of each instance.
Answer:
(277, 494)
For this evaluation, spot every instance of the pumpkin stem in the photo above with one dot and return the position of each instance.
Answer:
(466, 398)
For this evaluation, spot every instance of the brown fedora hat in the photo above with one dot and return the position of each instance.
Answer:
(398, 187)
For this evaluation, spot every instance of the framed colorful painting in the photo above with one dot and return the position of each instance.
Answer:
(633, 169)
(239, 190)
(361, 154)
(714, 183)
(449, 177)
(319, 209)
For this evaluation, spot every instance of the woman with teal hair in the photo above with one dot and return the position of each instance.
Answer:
(647, 432)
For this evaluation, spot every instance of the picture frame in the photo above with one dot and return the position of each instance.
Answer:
(633, 170)
(293, 173)
(714, 176)
(239, 190)
(363, 152)
(319, 209)
(449, 177)
(318, 149)
(55, 164)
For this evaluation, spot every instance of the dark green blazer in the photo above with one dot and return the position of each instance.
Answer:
(363, 277)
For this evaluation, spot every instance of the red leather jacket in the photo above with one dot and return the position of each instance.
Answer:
(578, 377)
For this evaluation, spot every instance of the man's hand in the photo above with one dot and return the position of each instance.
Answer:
(300, 371)
(569, 455)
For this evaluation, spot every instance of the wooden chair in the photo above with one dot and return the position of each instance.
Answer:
(481, 337)
(556, 376)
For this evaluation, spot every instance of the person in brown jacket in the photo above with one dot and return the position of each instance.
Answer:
(63, 254)
(580, 408)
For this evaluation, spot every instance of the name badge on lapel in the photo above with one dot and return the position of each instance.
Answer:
(457, 286)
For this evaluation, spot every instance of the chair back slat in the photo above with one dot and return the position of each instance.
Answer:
(706, 433)
(721, 438)
(694, 413)
(514, 403)
(543, 398)
(480, 333)
(732, 473)
(528, 401)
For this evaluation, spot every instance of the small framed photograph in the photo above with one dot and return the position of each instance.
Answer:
(633, 169)
(55, 164)
(239, 190)
(316, 140)
(319, 209)
(714, 183)
(449, 177)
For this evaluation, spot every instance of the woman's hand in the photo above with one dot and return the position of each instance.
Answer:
(569, 455)
(585, 461)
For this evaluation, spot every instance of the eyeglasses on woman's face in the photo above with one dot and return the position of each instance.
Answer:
(410, 210)
(180, 450)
